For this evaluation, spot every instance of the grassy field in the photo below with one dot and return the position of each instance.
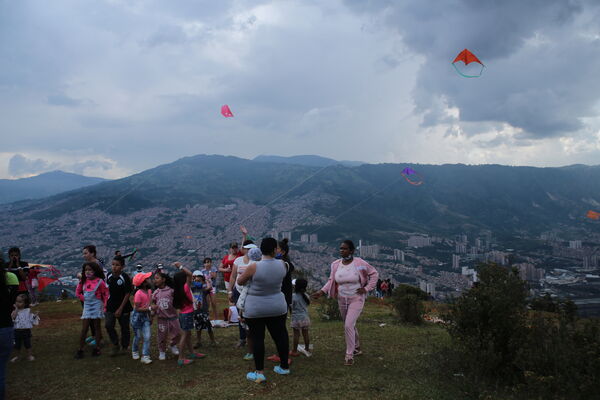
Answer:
(396, 365)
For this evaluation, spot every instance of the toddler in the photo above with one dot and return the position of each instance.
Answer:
(23, 320)
(300, 318)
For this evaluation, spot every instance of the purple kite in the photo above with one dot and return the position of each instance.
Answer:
(409, 171)
(226, 111)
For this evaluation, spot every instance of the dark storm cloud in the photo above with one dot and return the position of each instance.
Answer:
(542, 59)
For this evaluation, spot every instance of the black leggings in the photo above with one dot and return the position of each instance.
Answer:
(22, 338)
(277, 330)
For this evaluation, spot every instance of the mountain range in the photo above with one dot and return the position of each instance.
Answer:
(369, 199)
(43, 185)
(307, 160)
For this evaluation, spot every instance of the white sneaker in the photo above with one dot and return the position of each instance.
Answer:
(146, 360)
(30, 358)
(162, 356)
(135, 355)
(175, 350)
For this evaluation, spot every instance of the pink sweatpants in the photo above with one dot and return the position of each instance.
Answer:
(350, 308)
(165, 329)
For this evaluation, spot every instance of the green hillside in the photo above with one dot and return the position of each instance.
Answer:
(367, 198)
(397, 364)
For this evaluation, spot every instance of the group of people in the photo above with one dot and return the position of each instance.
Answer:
(384, 288)
(261, 294)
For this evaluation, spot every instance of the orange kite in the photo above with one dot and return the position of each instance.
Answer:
(593, 215)
(467, 57)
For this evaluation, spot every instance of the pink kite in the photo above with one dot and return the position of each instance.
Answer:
(226, 111)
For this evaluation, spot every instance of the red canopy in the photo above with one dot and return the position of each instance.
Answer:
(44, 281)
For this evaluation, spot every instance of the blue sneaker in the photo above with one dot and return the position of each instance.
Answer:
(256, 377)
(281, 371)
(90, 341)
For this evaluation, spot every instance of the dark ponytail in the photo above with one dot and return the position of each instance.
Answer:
(285, 247)
(300, 288)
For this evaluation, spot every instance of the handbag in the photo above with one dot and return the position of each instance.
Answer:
(241, 303)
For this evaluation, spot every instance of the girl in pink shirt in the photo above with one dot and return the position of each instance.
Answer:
(168, 323)
(184, 302)
(140, 317)
(92, 291)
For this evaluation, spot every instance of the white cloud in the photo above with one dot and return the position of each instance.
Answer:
(139, 83)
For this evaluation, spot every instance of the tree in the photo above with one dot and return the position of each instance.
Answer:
(488, 321)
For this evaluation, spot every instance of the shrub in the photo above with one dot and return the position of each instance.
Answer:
(329, 310)
(560, 358)
(408, 303)
(487, 322)
(538, 354)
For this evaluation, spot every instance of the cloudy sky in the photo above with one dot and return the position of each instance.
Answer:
(112, 87)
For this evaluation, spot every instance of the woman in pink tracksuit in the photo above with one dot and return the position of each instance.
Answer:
(350, 280)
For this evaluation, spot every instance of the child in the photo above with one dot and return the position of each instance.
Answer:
(92, 291)
(201, 318)
(210, 274)
(300, 318)
(140, 317)
(23, 320)
(233, 314)
(184, 302)
(118, 307)
(168, 324)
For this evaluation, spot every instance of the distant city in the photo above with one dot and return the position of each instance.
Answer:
(442, 267)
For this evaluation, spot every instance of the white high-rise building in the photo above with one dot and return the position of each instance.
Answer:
(575, 244)
(461, 248)
(398, 255)
(286, 235)
(314, 238)
(479, 243)
(369, 251)
(427, 287)
(455, 261)
(419, 241)
(304, 238)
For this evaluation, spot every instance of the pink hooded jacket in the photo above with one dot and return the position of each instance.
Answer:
(368, 277)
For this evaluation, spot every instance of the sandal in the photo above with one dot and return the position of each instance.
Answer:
(349, 362)
(183, 362)
(357, 352)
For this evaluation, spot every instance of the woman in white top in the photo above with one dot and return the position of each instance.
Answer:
(239, 266)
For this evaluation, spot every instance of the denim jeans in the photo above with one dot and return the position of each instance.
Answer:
(140, 323)
(6, 346)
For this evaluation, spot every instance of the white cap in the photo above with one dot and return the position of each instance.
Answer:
(250, 246)
(197, 273)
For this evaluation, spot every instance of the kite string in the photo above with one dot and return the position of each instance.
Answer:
(143, 180)
(284, 194)
(358, 204)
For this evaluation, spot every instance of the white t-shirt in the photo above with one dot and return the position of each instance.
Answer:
(233, 314)
(241, 267)
(26, 319)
